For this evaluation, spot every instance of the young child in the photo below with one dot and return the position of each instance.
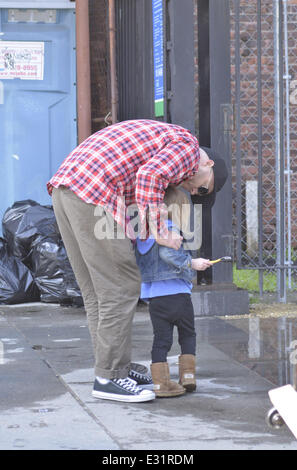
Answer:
(167, 283)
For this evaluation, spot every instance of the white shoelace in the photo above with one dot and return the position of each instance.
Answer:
(144, 378)
(136, 374)
(128, 384)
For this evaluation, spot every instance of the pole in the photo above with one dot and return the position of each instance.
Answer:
(288, 169)
(112, 57)
(83, 70)
(281, 287)
(260, 132)
(238, 137)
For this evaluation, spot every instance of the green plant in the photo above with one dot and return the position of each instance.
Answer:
(249, 279)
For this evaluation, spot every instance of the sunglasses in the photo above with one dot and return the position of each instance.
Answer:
(203, 190)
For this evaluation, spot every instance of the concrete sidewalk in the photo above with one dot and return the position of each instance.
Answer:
(46, 381)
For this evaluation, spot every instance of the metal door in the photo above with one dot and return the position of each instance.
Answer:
(37, 100)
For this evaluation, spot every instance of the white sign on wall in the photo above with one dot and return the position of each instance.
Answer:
(293, 93)
(21, 59)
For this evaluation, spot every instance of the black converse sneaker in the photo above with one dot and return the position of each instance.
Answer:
(121, 390)
(141, 368)
(144, 380)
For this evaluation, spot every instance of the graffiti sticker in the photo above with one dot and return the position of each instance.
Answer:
(21, 59)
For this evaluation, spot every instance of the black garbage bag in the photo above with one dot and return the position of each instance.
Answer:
(33, 236)
(53, 273)
(10, 224)
(16, 281)
(25, 224)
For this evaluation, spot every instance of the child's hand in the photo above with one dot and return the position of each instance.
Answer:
(173, 240)
(200, 264)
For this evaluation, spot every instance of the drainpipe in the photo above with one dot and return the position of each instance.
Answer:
(112, 56)
(83, 79)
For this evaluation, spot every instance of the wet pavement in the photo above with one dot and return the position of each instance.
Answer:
(46, 379)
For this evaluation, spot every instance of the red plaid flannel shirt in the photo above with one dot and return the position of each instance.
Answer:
(129, 162)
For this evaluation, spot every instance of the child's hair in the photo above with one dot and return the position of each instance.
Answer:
(178, 207)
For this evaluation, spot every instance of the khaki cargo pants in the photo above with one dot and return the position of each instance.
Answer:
(108, 277)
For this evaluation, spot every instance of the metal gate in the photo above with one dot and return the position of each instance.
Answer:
(264, 86)
(144, 28)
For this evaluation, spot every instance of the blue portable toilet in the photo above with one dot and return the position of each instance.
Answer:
(38, 125)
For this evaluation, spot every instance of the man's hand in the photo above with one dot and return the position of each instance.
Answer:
(173, 240)
(200, 264)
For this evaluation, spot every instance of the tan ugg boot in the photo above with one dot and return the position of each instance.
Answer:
(187, 363)
(163, 386)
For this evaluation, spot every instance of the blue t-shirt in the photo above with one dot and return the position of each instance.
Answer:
(159, 288)
(168, 287)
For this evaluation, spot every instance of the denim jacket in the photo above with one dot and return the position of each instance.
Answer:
(159, 263)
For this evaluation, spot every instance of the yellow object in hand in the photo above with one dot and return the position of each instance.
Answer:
(224, 258)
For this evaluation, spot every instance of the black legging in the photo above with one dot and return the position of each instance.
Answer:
(166, 312)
